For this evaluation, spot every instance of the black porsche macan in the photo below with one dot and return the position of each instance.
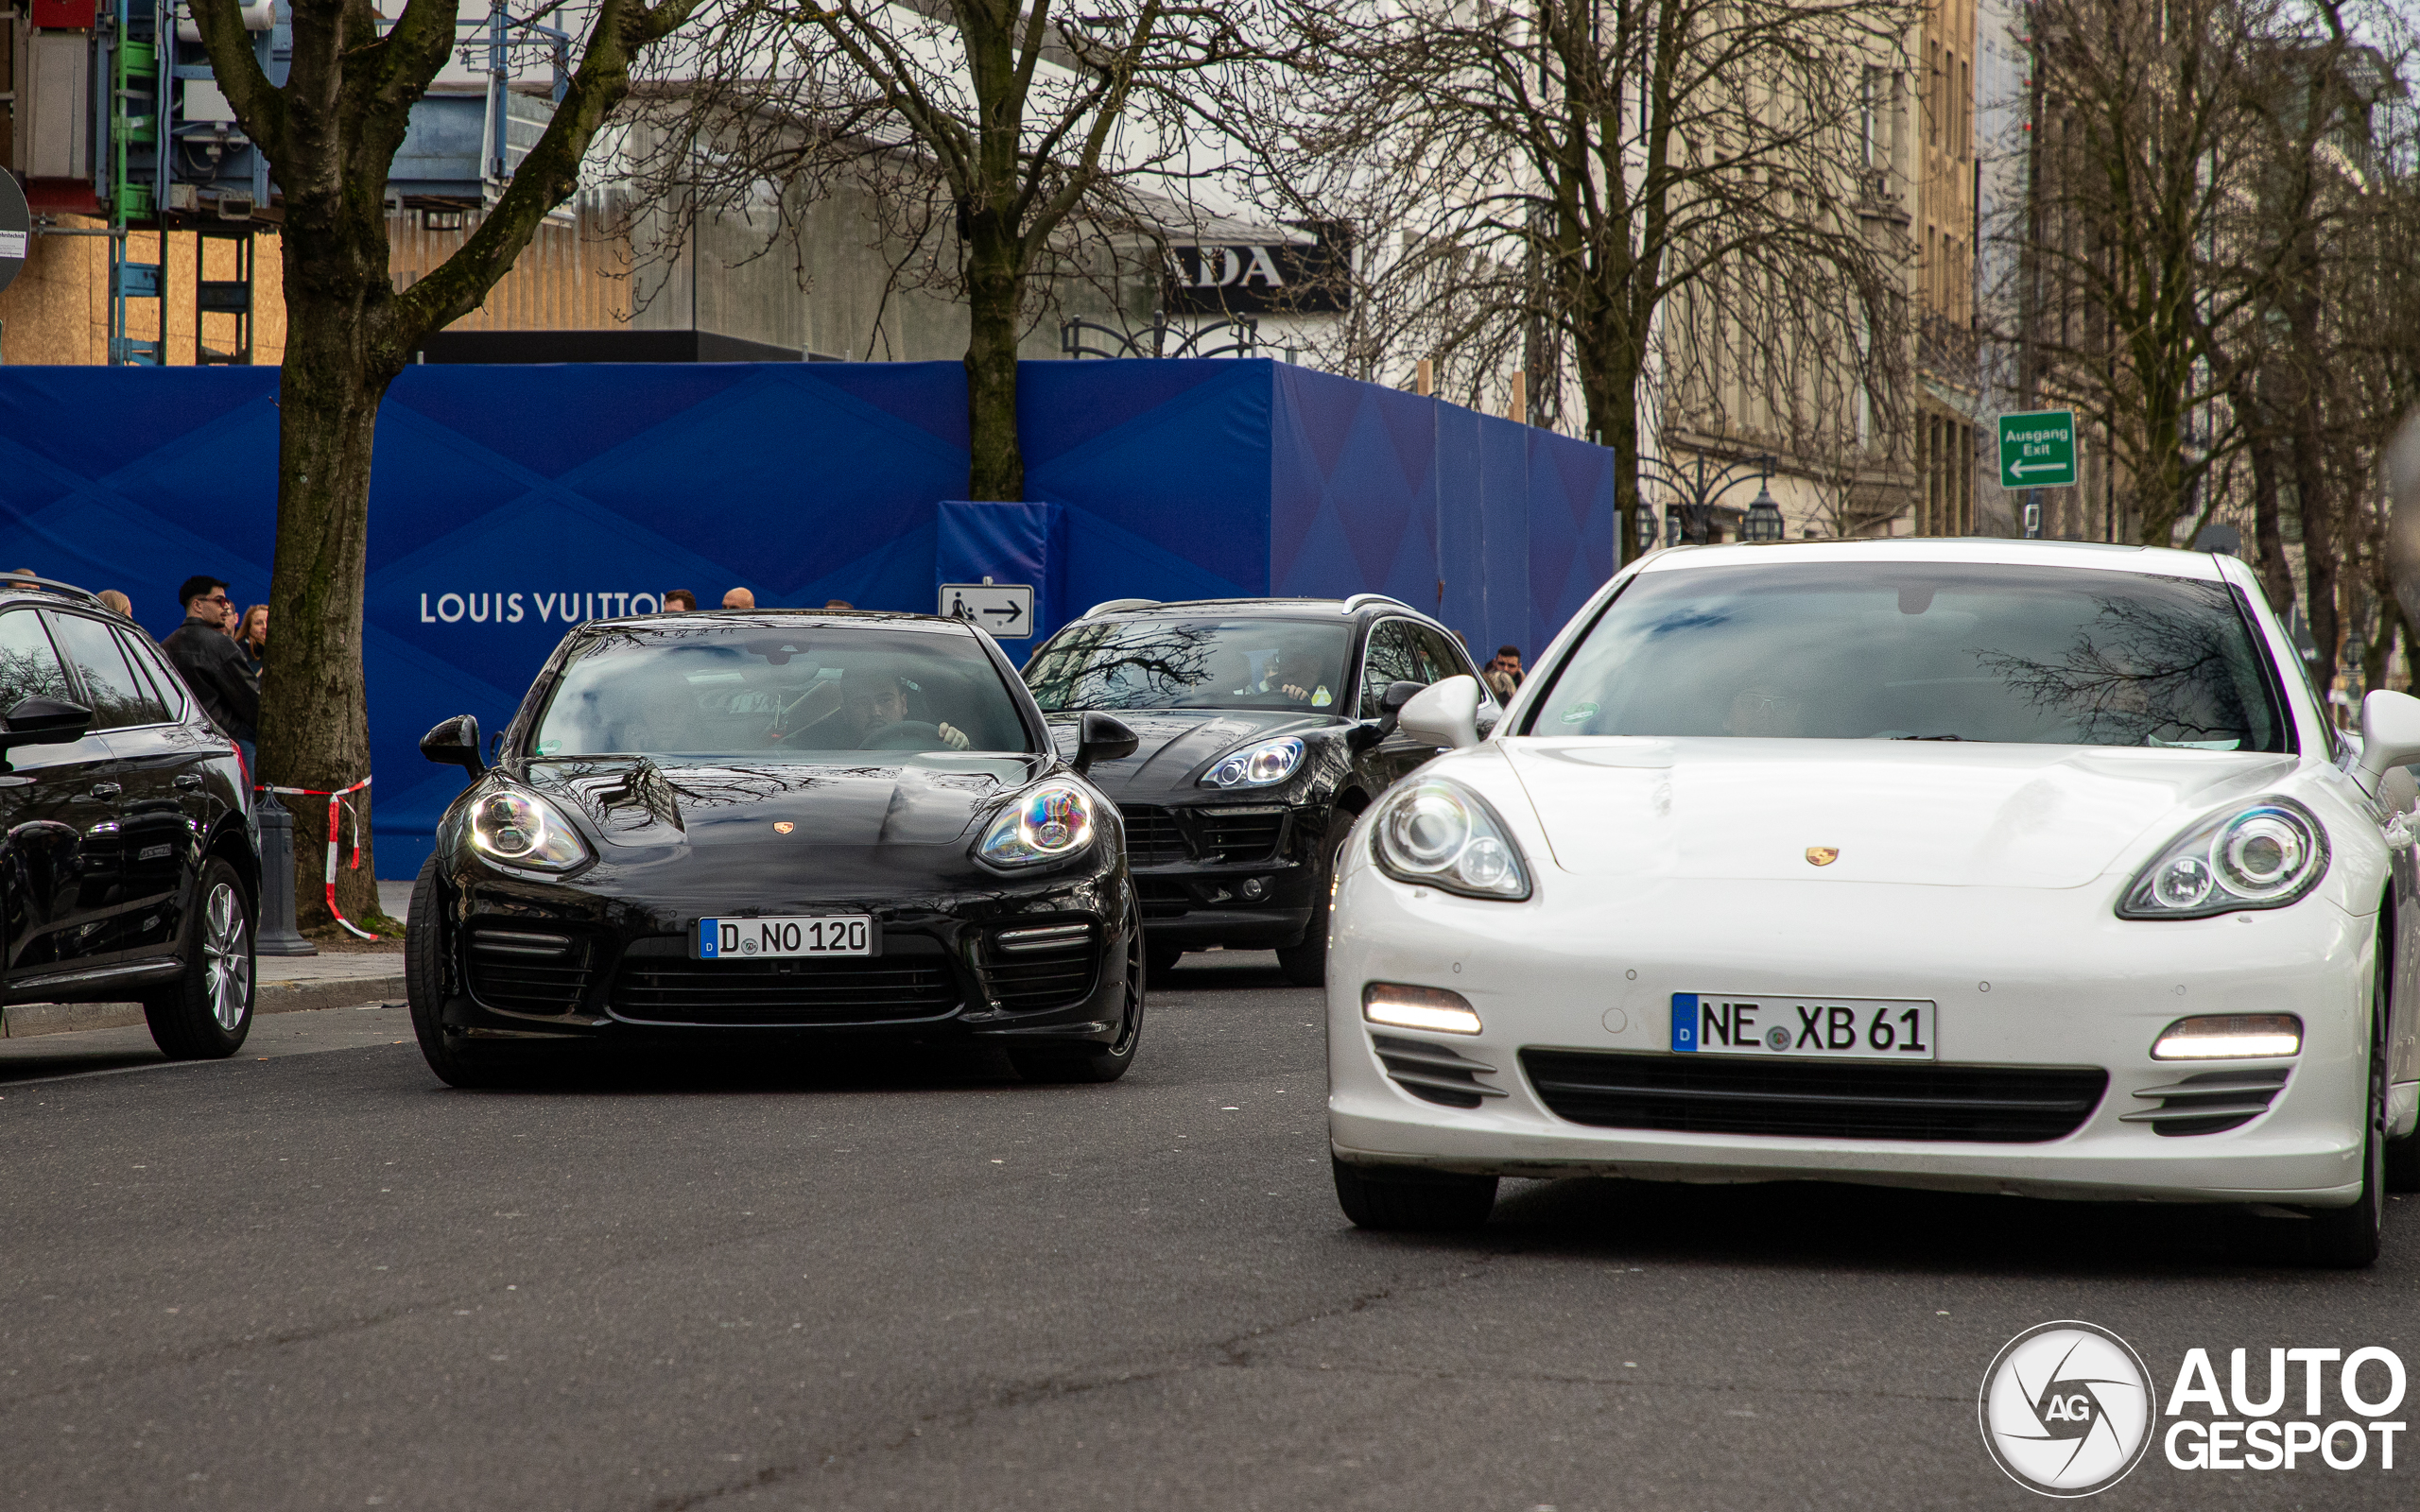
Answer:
(726, 827)
(1265, 726)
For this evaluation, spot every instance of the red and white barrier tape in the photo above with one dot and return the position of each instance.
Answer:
(336, 805)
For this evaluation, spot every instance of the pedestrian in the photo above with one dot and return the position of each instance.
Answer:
(214, 666)
(739, 598)
(678, 599)
(251, 637)
(1503, 675)
(111, 599)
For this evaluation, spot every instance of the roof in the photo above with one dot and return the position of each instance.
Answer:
(781, 619)
(2075, 555)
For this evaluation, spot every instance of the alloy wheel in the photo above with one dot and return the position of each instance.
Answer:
(226, 964)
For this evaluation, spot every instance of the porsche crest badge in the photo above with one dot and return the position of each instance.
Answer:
(1822, 855)
(785, 827)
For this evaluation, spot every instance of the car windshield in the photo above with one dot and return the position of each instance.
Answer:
(1165, 663)
(1919, 651)
(814, 691)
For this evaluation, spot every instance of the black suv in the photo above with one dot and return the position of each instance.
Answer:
(1266, 725)
(128, 866)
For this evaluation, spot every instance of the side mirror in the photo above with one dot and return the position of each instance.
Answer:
(1099, 738)
(1445, 713)
(43, 722)
(1389, 711)
(2389, 735)
(455, 743)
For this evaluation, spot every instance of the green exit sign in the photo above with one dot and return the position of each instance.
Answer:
(2038, 449)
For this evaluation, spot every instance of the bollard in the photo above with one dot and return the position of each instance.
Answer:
(276, 934)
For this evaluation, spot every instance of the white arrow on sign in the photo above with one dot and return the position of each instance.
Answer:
(1006, 610)
(2020, 469)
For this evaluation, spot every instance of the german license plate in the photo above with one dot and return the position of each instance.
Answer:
(1724, 1023)
(731, 939)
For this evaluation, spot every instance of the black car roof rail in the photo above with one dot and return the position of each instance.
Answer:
(1111, 605)
(19, 580)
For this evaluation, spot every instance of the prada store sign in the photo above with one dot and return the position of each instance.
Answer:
(1267, 278)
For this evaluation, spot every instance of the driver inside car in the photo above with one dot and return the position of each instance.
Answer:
(872, 702)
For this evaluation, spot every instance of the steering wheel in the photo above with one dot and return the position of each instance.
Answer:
(906, 735)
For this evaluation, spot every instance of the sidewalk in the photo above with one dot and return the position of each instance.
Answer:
(284, 984)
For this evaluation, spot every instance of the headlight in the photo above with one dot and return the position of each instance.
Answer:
(1438, 833)
(1049, 824)
(522, 830)
(1271, 761)
(2265, 856)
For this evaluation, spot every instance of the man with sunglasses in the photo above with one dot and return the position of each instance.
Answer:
(214, 665)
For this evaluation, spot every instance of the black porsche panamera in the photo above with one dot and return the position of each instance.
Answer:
(742, 829)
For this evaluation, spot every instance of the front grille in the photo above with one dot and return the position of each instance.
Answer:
(1702, 1094)
(891, 987)
(1152, 838)
(1434, 1072)
(2209, 1102)
(1162, 896)
(1239, 834)
(526, 971)
(1028, 969)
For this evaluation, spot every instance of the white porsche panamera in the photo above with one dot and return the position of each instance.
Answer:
(2016, 867)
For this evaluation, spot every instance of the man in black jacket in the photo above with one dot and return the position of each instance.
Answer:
(214, 665)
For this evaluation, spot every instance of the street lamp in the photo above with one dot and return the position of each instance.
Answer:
(1699, 484)
(1764, 522)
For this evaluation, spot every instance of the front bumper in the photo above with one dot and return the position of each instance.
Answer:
(2022, 979)
(940, 969)
(1196, 881)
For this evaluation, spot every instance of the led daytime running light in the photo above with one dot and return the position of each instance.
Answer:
(1419, 1007)
(2230, 1037)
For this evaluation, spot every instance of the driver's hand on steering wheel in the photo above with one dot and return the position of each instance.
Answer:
(1292, 692)
(954, 737)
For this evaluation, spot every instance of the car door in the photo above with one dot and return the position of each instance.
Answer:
(55, 824)
(132, 849)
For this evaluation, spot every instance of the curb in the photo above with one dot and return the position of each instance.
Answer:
(24, 1020)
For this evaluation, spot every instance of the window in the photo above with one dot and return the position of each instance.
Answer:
(119, 699)
(30, 667)
(767, 693)
(1875, 651)
(1438, 651)
(1392, 657)
(1160, 662)
(164, 680)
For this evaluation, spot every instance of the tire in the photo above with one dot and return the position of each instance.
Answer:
(1305, 965)
(2403, 1163)
(2347, 1238)
(206, 1013)
(456, 1060)
(1070, 1064)
(1405, 1199)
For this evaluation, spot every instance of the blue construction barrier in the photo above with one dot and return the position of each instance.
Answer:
(510, 503)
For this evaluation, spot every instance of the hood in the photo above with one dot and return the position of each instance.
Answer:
(641, 803)
(1938, 814)
(1171, 744)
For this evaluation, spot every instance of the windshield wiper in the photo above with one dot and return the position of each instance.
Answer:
(1928, 737)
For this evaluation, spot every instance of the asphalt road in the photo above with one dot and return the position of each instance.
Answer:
(321, 1281)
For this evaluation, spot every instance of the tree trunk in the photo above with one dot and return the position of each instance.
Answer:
(315, 718)
(995, 467)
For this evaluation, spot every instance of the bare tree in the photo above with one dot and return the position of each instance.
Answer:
(1690, 198)
(990, 144)
(330, 134)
